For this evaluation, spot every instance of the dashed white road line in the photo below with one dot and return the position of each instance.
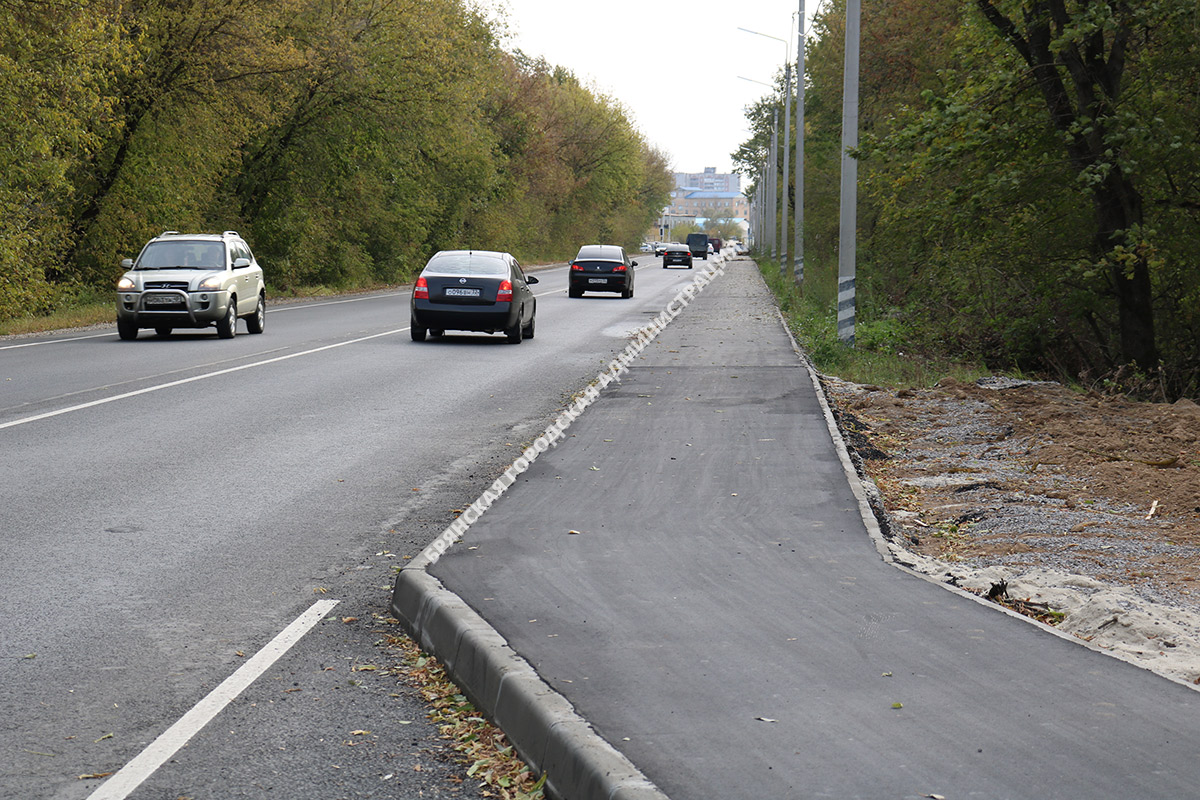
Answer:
(130, 776)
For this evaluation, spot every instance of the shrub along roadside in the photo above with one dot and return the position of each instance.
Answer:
(878, 356)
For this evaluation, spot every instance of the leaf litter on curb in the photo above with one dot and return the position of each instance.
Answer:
(489, 756)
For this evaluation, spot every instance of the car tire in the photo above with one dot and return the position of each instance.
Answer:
(626, 294)
(227, 326)
(689, 266)
(527, 331)
(256, 322)
(127, 330)
(418, 333)
(514, 333)
(573, 292)
(162, 330)
(436, 334)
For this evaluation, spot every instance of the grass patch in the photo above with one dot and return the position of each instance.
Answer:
(878, 355)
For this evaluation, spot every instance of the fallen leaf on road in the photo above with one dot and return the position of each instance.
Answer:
(102, 738)
(348, 620)
(94, 776)
(897, 705)
(573, 532)
(766, 719)
(360, 733)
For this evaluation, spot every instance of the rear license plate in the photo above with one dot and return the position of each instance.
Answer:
(162, 300)
(456, 292)
(597, 280)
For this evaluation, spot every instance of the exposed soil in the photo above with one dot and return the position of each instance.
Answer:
(1087, 507)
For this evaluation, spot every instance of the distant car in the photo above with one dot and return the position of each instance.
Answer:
(192, 280)
(646, 247)
(698, 244)
(473, 290)
(716, 243)
(710, 249)
(660, 248)
(677, 254)
(601, 268)
(741, 248)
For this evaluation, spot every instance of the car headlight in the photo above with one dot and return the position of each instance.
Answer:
(126, 284)
(210, 284)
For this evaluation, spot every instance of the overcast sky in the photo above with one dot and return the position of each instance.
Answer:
(674, 65)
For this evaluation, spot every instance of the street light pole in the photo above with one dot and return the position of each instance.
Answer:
(779, 235)
(798, 243)
(847, 235)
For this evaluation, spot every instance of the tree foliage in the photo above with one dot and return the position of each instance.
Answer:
(348, 139)
(1028, 178)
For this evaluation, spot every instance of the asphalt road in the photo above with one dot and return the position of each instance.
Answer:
(692, 573)
(170, 505)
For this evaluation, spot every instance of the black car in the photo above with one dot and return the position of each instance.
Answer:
(677, 254)
(601, 268)
(473, 290)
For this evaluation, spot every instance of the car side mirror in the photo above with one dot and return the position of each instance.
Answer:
(530, 280)
(126, 263)
(634, 263)
(240, 263)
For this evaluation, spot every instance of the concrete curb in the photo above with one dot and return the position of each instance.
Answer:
(541, 723)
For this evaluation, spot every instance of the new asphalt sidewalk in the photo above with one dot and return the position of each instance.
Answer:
(684, 599)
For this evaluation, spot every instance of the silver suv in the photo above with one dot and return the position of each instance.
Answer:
(192, 280)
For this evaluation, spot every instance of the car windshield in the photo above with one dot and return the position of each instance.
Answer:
(466, 264)
(185, 254)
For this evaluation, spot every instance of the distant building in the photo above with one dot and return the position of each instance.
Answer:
(709, 181)
(709, 204)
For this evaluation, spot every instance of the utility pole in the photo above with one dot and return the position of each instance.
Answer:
(798, 240)
(784, 266)
(848, 233)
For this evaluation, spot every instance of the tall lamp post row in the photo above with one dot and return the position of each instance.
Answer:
(766, 216)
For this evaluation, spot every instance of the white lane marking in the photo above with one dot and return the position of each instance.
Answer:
(194, 378)
(143, 765)
(55, 341)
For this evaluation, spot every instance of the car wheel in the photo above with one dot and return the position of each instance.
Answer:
(573, 292)
(256, 322)
(689, 266)
(418, 333)
(126, 330)
(527, 331)
(227, 327)
(162, 330)
(514, 333)
(626, 294)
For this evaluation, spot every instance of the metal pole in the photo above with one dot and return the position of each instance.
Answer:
(773, 198)
(784, 265)
(847, 238)
(798, 243)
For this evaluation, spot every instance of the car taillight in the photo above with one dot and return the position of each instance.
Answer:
(421, 290)
(577, 267)
(504, 293)
(619, 268)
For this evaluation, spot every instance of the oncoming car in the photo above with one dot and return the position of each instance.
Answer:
(678, 254)
(192, 280)
(473, 290)
(601, 268)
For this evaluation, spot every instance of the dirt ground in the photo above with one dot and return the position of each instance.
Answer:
(1003, 479)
